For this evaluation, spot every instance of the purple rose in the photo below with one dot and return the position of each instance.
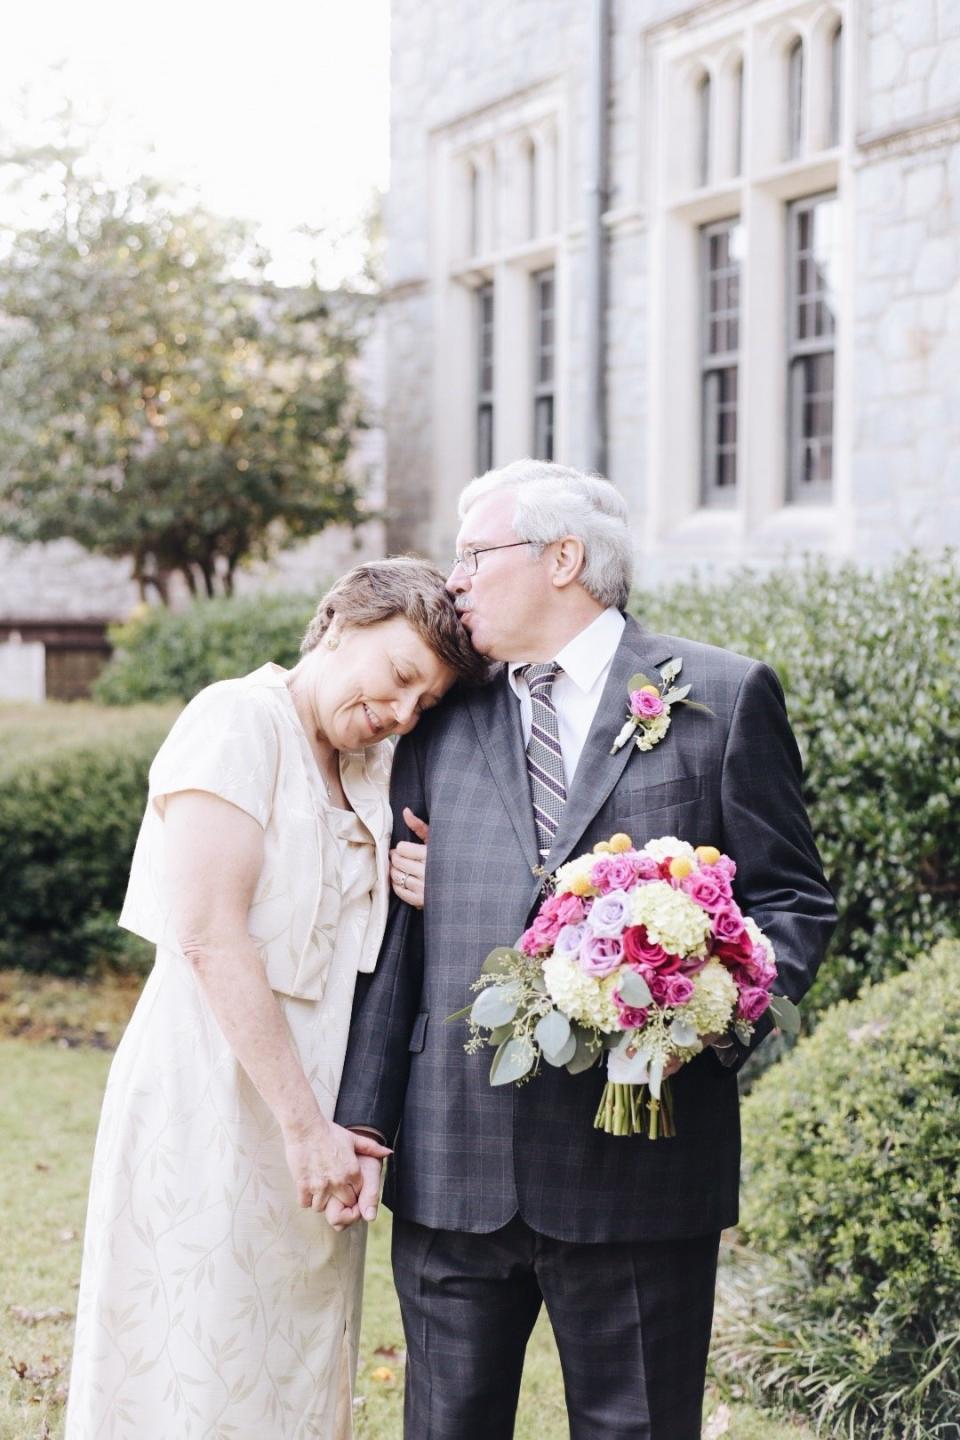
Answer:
(569, 940)
(609, 914)
(600, 954)
(644, 705)
(677, 989)
(647, 868)
(752, 1003)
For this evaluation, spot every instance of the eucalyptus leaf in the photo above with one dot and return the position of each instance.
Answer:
(498, 962)
(679, 692)
(683, 1031)
(695, 705)
(459, 1014)
(552, 1032)
(564, 1055)
(634, 990)
(501, 1033)
(637, 682)
(495, 1005)
(785, 1014)
(513, 1060)
(672, 669)
(585, 1055)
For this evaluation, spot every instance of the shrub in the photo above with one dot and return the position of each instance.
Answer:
(170, 655)
(870, 668)
(852, 1177)
(68, 824)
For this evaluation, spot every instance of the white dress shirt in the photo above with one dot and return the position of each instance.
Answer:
(585, 663)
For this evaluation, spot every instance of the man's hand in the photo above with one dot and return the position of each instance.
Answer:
(369, 1158)
(408, 862)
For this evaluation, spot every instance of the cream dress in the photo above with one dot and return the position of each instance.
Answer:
(210, 1304)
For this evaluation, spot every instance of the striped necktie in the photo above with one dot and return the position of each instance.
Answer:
(548, 789)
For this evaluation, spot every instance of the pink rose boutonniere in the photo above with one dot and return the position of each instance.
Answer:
(648, 717)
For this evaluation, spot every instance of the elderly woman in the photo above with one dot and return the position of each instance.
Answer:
(215, 1301)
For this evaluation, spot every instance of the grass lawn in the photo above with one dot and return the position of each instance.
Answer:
(35, 731)
(48, 1114)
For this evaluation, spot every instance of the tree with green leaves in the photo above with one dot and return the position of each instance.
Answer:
(159, 398)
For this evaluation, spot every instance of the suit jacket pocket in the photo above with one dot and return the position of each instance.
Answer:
(419, 1035)
(669, 793)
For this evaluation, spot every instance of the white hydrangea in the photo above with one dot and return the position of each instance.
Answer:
(653, 732)
(710, 1009)
(579, 996)
(579, 869)
(671, 918)
(666, 845)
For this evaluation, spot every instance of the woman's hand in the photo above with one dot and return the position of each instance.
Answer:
(408, 863)
(323, 1160)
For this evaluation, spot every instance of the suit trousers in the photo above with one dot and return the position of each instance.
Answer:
(632, 1323)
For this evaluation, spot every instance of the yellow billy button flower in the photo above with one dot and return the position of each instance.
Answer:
(649, 690)
(602, 847)
(620, 842)
(708, 854)
(580, 885)
(680, 867)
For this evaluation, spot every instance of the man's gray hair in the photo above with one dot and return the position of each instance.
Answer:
(555, 500)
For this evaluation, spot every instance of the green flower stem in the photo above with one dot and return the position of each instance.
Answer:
(632, 1110)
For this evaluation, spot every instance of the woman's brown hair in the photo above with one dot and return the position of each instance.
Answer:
(379, 590)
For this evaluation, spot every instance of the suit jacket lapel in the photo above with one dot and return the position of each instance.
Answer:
(598, 770)
(496, 716)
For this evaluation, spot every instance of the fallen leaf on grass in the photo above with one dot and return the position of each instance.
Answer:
(388, 1352)
(66, 1236)
(46, 1369)
(718, 1423)
(41, 1165)
(37, 1317)
(383, 1374)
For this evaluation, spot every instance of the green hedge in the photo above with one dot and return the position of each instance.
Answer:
(852, 1178)
(69, 817)
(869, 663)
(170, 655)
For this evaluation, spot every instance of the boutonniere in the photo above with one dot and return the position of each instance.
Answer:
(648, 719)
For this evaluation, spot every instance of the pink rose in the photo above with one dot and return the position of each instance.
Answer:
(705, 889)
(752, 1003)
(565, 909)
(600, 954)
(725, 867)
(658, 986)
(647, 868)
(642, 952)
(644, 705)
(677, 989)
(631, 1018)
(729, 929)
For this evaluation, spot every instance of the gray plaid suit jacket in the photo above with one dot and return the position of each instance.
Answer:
(468, 1156)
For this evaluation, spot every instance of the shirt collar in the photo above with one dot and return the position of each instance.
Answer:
(587, 655)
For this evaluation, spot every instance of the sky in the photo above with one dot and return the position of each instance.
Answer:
(276, 111)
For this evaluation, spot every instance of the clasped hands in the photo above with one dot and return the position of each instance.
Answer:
(336, 1171)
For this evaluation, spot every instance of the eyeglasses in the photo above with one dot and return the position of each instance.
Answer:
(469, 559)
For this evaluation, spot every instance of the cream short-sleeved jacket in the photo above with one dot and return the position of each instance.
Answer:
(242, 740)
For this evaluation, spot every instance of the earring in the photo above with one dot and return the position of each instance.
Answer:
(332, 641)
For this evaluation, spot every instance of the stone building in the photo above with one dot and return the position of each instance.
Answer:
(712, 249)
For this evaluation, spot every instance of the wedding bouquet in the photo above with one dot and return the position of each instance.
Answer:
(639, 953)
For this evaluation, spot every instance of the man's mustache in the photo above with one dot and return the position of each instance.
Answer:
(462, 603)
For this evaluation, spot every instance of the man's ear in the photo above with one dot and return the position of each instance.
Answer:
(568, 561)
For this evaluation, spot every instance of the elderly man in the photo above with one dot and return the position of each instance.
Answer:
(507, 1198)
